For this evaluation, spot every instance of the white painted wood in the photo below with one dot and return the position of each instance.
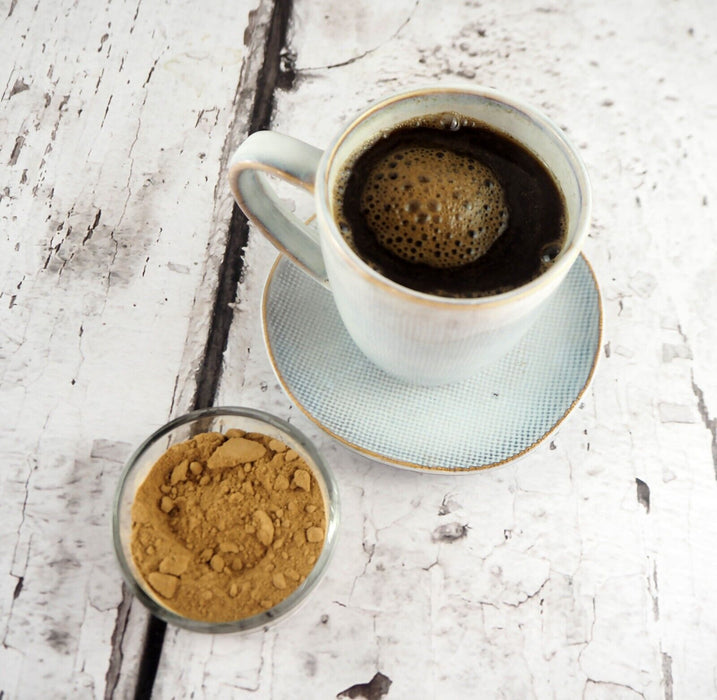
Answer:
(570, 582)
(113, 214)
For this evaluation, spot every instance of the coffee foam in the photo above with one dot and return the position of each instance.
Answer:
(429, 205)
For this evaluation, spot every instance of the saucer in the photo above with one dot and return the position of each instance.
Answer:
(494, 417)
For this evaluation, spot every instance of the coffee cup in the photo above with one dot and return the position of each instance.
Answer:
(420, 302)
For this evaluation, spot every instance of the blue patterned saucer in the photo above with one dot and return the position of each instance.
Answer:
(488, 420)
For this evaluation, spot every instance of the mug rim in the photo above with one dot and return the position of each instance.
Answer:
(555, 273)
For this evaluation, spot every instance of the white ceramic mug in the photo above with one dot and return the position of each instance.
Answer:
(412, 335)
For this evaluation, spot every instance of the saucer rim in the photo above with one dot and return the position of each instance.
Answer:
(412, 466)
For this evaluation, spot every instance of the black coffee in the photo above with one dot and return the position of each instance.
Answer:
(451, 208)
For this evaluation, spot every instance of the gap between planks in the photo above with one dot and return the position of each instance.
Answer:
(267, 79)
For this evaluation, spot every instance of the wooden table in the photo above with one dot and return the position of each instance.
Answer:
(131, 293)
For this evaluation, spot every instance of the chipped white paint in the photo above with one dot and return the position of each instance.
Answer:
(114, 118)
(573, 578)
(567, 583)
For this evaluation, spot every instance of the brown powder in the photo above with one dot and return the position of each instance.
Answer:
(226, 526)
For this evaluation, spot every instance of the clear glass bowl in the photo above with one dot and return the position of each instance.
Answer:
(184, 428)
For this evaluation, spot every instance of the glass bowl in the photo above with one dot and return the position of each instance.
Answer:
(184, 428)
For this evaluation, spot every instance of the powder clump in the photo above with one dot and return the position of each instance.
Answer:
(226, 526)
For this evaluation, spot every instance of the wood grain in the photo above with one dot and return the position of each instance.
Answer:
(586, 567)
(115, 121)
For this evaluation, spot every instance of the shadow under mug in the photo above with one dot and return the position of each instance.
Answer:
(417, 337)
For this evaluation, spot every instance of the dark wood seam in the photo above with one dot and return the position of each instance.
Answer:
(270, 76)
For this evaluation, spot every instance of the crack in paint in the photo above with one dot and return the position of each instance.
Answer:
(20, 576)
(529, 596)
(151, 70)
(91, 228)
(15, 154)
(611, 684)
(710, 423)
(667, 675)
(368, 52)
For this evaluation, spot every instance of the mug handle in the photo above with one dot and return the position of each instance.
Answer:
(297, 163)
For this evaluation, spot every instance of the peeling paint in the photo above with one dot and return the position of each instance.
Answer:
(375, 689)
(448, 505)
(450, 532)
(20, 85)
(643, 494)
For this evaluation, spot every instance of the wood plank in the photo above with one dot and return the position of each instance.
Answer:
(115, 123)
(586, 571)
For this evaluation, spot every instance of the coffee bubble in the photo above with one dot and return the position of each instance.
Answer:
(549, 252)
(430, 205)
(450, 121)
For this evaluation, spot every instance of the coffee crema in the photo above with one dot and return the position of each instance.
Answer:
(450, 207)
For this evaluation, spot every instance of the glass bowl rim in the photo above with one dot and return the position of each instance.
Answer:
(289, 604)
